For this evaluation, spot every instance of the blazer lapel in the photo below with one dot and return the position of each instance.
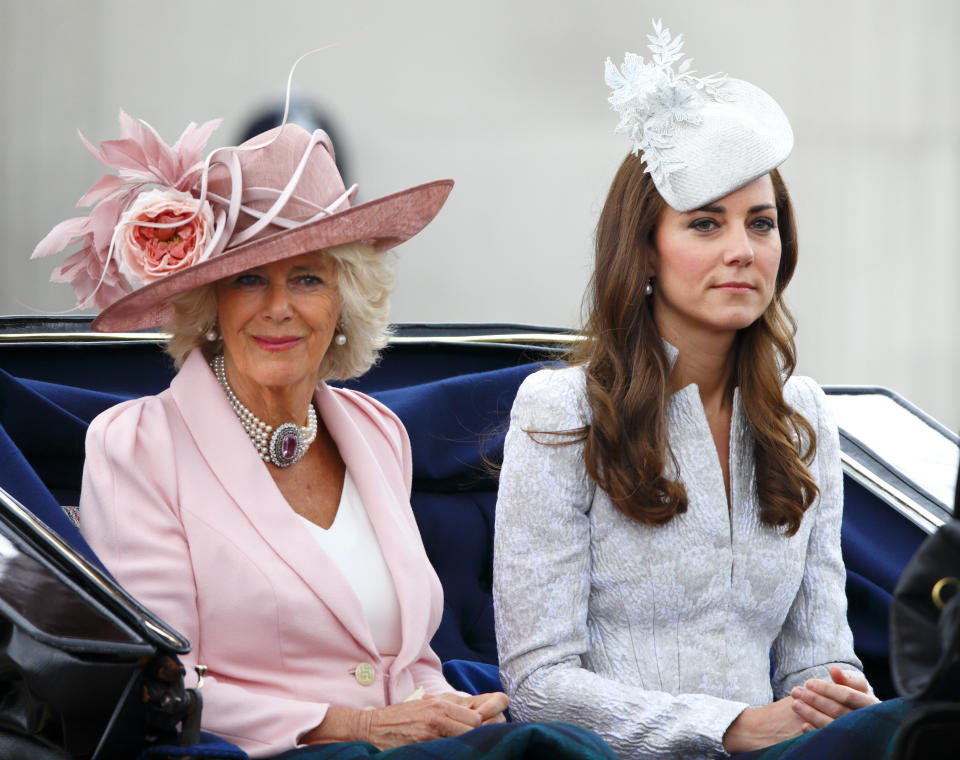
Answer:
(224, 445)
(399, 541)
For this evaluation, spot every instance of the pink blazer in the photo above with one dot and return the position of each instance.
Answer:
(180, 508)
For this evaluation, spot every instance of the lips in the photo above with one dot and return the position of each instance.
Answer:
(271, 343)
(735, 287)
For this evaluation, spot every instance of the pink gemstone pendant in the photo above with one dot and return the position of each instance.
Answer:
(286, 446)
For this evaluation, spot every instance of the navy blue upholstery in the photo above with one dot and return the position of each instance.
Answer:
(42, 430)
(877, 543)
(456, 427)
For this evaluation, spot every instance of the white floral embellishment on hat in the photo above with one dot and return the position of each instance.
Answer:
(652, 99)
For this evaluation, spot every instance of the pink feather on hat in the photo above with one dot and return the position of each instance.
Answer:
(141, 159)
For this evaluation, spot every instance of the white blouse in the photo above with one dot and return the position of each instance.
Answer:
(352, 545)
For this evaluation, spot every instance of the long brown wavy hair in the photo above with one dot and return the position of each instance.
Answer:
(628, 373)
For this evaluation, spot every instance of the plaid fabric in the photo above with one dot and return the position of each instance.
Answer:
(210, 748)
(865, 734)
(501, 741)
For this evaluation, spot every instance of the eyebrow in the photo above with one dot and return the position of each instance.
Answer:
(312, 266)
(722, 210)
(296, 270)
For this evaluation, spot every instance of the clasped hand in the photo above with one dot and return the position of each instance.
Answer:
(813, 705)
(818, 701)
(433, 717)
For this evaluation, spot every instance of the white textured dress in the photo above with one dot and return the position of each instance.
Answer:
(658, 637)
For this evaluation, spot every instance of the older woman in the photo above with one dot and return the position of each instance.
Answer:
(667, 566)
(260, 512)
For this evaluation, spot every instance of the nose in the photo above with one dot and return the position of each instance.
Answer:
(277, 303)
(739, 249)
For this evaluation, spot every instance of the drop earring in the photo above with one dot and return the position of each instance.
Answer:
(649, 289)
(340, 338)
(212, 335)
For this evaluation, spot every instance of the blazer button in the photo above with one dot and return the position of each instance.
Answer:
(364, 674)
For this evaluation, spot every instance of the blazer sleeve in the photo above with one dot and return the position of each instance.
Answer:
(542, 561)
(816, 633)
(129, 514)
(428, 673)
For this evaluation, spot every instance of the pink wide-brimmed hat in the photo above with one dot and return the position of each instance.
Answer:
(171, 222)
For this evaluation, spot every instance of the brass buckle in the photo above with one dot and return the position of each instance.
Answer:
(939, 586)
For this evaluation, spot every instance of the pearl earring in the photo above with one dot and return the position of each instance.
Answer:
(212, 335)
(649, 289)
(340, 339)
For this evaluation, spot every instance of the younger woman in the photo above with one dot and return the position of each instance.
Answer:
(668, 569)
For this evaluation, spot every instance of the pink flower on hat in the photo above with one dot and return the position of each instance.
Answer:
(146, 253)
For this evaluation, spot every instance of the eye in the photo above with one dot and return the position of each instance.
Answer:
(706, 224)
(248, 280)
(307, 281)
(763, 224)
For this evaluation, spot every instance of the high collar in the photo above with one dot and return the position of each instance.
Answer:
(671, 351)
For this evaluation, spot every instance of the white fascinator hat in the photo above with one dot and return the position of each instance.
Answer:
(700, 138)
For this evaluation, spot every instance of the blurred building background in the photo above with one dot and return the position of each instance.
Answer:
(507, 97)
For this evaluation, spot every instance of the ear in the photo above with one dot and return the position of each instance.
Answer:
(653, 255)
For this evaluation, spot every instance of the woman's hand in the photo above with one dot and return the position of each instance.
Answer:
(490, 705)
(432, 717)
(758, 727)
(820, 701)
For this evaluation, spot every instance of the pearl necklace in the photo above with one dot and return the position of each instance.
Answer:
(287, 443)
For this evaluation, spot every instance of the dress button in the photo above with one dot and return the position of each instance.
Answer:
(364, 673)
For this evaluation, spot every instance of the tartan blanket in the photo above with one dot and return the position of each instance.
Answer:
(865, 734)
(210, 748)
(500, 741)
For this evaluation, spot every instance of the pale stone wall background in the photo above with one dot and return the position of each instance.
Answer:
(508, 98)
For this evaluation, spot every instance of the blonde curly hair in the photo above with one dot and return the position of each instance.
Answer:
(365, 280)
